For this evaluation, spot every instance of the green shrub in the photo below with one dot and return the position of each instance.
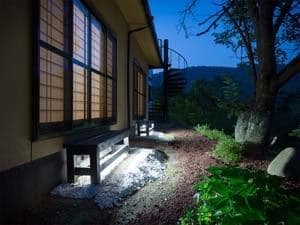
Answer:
(202, 128)
(215, 102)
(183, 110)
(295, 133)
(227, 149)
(211, 134)
(234, 196)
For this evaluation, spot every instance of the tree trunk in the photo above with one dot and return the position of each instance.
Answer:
(254, 125)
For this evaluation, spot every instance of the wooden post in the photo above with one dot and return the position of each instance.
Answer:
(165, 82)
(95, 167)
(70, 166)
(138, 128)
(147, 128)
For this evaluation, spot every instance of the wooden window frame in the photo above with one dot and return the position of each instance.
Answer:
(68, 126)
(136, 69)
(114, 76)
(84, 65)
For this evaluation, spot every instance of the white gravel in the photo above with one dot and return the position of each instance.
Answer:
(141, 166)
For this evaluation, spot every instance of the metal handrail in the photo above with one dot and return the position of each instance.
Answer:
(181, 60)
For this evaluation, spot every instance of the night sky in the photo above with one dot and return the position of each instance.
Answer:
(199, 51)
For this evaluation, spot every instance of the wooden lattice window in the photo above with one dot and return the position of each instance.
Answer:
(139, 92)
(52, 20)
(80, 62)
(76, 57)
(98, 46)
(52, 61)
(98, 96)
(111, 75)
(98, 86)
(95, 49)
(80, 100)
(51, 87)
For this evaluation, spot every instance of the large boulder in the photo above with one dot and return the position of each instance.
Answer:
(252, 127)
(286, 164)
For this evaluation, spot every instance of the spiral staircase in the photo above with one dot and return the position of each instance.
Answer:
(174, 81)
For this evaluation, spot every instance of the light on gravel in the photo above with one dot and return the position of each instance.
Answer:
(104, 173)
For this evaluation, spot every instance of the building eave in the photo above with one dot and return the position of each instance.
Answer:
(153, 31)
(137, 14)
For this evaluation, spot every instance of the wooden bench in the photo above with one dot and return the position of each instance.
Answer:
(103, 146)
(144, 127)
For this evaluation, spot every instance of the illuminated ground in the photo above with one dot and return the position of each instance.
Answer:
(160, 202)
(134, 170)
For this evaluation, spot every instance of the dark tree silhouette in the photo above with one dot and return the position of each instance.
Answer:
(260, 31)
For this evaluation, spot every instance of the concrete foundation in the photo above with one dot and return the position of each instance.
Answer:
(25, 186)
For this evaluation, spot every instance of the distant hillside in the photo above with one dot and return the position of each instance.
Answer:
(211, 72)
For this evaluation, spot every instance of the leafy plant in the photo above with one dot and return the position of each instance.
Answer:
(235, 196)
(295, 133)
(227, 149)
(211, 134)
(231, 92)
(215, 102)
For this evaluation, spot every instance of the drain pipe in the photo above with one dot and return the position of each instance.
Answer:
(128, 68)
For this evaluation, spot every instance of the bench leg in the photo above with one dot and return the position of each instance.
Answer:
(126, 141)
(139, 130)
(147, 129)
(95, 167)
(70, 166)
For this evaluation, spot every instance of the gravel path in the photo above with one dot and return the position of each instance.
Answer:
(191, 153)
(160, 202)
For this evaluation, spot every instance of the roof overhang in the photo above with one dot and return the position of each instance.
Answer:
(137, 14)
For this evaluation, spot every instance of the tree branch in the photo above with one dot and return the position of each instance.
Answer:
(210, 17)
(289, 71)
(284, 11)
(250, 51)
(189, 7)
(247, 41)
(254, 14)
(188, 10)
(213, 23)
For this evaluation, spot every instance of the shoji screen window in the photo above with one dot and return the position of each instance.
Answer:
(111, 76)
(80, 61)
(76, 73)
(98, 78)
(139, 92)
(53, 62)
